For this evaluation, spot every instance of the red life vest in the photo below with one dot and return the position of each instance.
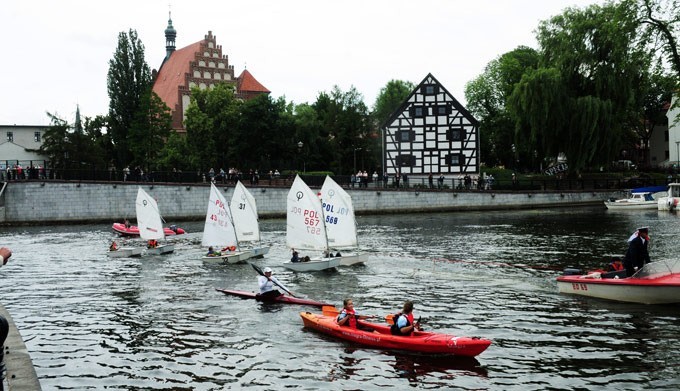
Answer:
(352, 322)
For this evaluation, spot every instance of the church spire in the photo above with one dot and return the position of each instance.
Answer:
(170, 34)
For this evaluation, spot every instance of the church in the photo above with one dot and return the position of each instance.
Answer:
(201, 65)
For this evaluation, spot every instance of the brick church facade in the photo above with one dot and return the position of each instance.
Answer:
(201, 65)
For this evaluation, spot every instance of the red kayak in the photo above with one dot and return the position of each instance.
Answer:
(379, 336)
(133, 230)
(281, 299)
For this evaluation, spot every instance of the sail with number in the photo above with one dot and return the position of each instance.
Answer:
(244, 211)
(148, 217)
(341, 227)
(218, 229)
(305, 228)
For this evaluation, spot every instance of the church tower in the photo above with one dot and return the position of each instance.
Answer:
(170, 35)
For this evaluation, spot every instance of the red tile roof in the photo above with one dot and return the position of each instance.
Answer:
(173, 74)
(247, 83)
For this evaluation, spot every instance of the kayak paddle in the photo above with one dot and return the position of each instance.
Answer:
(260, 272)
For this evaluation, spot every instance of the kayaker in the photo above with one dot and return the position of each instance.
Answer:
(266, 284)
(404, 323)
(113, 246)
(347, 317)
(637, 255)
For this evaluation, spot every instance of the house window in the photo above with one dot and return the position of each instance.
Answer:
(442, 109)
(418, 111)
(10, 136)
(455, 159)
(405, 136)
(429, 89)
(455, 134)
(36, 137)
(406, 160)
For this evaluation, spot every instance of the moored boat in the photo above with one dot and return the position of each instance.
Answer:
(133, 230)
(655, 283)
(280, 299)
(379, 336)
(640, 198)
(672, 199)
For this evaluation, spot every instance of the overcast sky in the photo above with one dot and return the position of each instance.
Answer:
(56, 52)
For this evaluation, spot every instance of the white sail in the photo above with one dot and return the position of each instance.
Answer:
(148, 217)
(244, 211)
(304, 223)
(218, 229)
(341, 227)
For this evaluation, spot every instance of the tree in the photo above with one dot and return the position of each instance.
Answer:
(661, 17)
(150, 129)
(128, 81)
(580, 98)
(390, 98)
(487, 97)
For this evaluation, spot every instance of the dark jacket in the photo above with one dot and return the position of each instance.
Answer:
(636, 256)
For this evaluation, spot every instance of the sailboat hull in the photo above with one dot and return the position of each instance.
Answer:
(314, 265)
(125, 252)
(160, 250)
(353, 259)
(225, 259)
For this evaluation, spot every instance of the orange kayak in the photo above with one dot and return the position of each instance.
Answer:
(379, 336)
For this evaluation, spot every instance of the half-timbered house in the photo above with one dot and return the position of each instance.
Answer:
(430, 133)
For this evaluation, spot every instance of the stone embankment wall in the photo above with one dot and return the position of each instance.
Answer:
(64, 202)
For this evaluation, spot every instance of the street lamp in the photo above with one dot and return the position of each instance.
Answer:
(355, 159)
(300, 145)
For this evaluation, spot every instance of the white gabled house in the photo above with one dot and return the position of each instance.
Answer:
(430, 133)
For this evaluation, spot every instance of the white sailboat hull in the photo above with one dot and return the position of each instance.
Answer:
(257, 252)
(161, 249)
(314, 265)
(126, 252)
(225, 259)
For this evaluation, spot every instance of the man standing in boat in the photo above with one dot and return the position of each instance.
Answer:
(637, 254)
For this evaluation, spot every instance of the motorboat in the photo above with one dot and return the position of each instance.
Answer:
(655, 283)
(671, 199)
(639, 198)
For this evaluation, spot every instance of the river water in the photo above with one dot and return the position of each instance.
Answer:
(158, 324)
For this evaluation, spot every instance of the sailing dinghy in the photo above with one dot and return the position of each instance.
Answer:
(243, 210)
(150, 224)
(219, 231)
(307, 226)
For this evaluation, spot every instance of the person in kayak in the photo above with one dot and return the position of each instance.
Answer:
(347, 317)
(403, 322)
(637, 255)
(266, 284)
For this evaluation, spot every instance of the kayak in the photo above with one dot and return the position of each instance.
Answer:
(133, 230)
(281, 299)
(379, 336)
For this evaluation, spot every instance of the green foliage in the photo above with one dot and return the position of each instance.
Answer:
(390, 98)
(150, 129)
(128, 81)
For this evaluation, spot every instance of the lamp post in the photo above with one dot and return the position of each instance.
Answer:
(300, 145)
(355, 160)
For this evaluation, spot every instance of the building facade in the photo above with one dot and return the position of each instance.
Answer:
(430, 133)
(19, 145)
(200, 65)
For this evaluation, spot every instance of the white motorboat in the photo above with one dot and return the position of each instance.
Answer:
(640, 198)
(655, 283)
(671, 199)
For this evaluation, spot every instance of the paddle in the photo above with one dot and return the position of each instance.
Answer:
(260, 272)
(329, 310)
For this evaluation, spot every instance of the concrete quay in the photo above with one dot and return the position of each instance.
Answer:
(35, 202)
(21, 375)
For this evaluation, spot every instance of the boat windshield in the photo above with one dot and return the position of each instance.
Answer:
(659, 269)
